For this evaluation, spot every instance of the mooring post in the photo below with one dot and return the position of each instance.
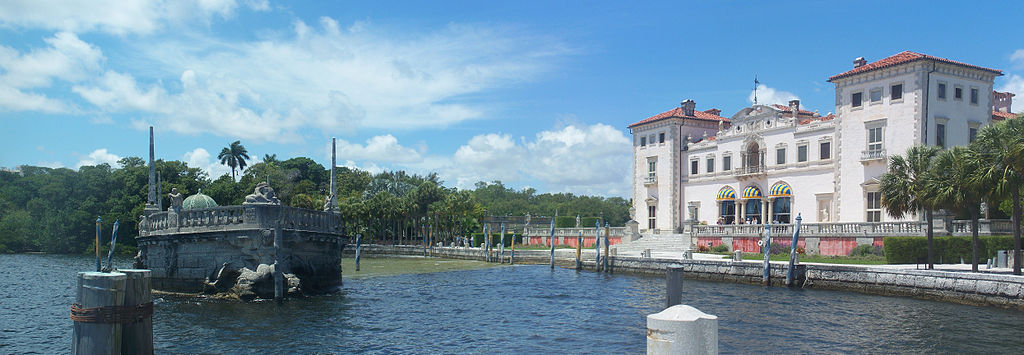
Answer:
(767, 241)
(597, 246)
(512, 256)
(673, 286)
(551, 240)
(682, 329)
(423, 239)
(579, 251)
(95, 290)
(490, 258)
(98, 222)
(607, 245)
(792, 252)
(501, 247)
(137, 337)
(278, 265)
(359, 248)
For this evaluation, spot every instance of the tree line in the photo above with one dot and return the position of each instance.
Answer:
(54, 210)
(959, 179)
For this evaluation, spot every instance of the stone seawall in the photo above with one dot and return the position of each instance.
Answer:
(950, 286)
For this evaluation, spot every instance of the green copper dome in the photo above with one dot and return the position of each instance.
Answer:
(198, 201)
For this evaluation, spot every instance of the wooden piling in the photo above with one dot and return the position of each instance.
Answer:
(579, 251)
(673, 286)
(137, 337)
(98, 289)
(607, 245)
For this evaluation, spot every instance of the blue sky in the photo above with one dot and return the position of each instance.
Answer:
(535, 94)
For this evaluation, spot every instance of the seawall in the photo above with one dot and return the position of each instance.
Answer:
(983, 289)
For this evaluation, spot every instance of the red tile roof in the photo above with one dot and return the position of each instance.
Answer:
(785, 108)
(828, 117)
(999, 115)
(678, 113)
(905, 57)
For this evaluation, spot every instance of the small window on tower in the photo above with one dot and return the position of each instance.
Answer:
(876, 95)
(856, 99)
(958, 93)
(974, 96)
(661, 137)
(942, 91)
(896, 92)
(643, 141)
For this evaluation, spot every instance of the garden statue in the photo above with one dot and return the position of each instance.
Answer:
(176, 199)
(263, 194)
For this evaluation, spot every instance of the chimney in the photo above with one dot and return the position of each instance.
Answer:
(714, 111)
(688, 107)
(794, 105)
(1002, 101)
(859, 62)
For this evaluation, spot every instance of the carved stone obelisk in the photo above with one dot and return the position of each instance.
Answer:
(151, 206)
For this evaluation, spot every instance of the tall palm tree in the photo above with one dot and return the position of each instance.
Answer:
(906, 187)
(270, 158)
(957, 186)
(1001, 147)
(234, 156)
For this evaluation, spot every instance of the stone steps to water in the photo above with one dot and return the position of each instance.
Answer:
(676, 243)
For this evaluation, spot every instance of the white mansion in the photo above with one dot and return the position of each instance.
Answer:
(771, 162)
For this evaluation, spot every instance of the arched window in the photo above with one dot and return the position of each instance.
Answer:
(727, 205)
(781, 195)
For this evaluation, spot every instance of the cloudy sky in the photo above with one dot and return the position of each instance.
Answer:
(535, 94)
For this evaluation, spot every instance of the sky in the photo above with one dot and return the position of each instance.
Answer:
(535, 94)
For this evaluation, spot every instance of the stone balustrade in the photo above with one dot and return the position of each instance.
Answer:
(985, 227)
(856, 229)
(239, 218)
(573, 232)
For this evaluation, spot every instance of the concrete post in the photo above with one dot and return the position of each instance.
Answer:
(137, 338)
(98, 289)
(737, 255)
(682, 329)
(673, 286)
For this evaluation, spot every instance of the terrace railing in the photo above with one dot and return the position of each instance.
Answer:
(856, 229)
(239, 218)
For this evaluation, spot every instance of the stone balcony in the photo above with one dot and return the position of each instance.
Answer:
(651, 180)
(872, 155)
(749, 171)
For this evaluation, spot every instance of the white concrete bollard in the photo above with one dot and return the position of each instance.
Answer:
(682, 329)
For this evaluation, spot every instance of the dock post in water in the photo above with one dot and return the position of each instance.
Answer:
(597, 246)
(767, 241)
(501, 247)
(551, 240)
(607, 244)
(487, 237)
(96, 292)
(673, 286)
(512, 256)
(579, 251)
(137, 337)
(792, 252)
(359, 248)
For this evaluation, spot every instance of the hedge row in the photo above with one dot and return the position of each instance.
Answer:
(570, 222)
(909, 250)
(478, 238)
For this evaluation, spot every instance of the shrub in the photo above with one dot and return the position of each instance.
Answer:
(800, 250)
(867, 250)
(701, 248)
(777, 248)
(908, 250)
(721, 248)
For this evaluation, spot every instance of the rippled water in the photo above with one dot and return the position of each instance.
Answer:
(519, 309)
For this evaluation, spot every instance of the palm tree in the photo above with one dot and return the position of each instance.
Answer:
(905, 188)
(958, 186)
(1001, 147)
(234, 156)
(270, 158)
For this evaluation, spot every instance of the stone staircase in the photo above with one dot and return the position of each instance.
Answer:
(674, 244)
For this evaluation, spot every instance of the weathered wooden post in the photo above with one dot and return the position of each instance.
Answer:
(767, 241)
(423, 238)
(98, 293)
(673, 286)
(98, 222)
(551, 240)
(501, 247)
(490, 258)
(607, 245)
(792, 252)
(512, 256)
(597, 246)
(137, 336)
(359, 248)
(579, 251)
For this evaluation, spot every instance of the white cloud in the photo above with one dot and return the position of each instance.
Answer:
(65, 58)
(768, 96)
(201, 158)
(1014, 83)
(50, 164)
(1018, 58)
(97, 157)
(487, 157)
(119, 17)
(378, 148)
(325, 78)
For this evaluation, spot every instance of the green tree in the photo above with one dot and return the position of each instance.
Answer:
(1001, 147)
(234, 156)
(906, 188)
(958, 187)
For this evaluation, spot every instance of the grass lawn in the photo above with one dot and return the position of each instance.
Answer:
(859, 260)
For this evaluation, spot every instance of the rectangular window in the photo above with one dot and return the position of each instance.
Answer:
(974, 96)
(650, 217)
(693, 167)
(661, 138)
(801, 153)
(651, 168)
(940, 135)
(873, 204)
(876, 95)
(856, 99)
(826, 150)
(643, 141)
(958, 93)
(896, 92)
(711, 165)
(875, 139)
(726, 163)
(942, 91)
(780, 156)
(972, 134)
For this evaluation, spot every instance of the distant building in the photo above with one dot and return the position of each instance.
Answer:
(772, 162)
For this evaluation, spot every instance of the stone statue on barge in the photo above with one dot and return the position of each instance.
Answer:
(260, 249)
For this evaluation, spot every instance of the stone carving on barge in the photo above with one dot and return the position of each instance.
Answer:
(241, 250)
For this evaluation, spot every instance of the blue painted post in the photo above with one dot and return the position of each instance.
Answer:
(767, 240)
(487, 239)
(607, 245)
(113, 240)
(597, 246)
(579, 250)
(98, 222)
(551, 240)
(359, 248)
(792, 252)
(501, 248)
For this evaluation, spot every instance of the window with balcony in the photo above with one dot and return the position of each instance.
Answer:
(652, 168)
(801, 153)
(873, 206)
(896, 92)
(874, 143)
(780, 156)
